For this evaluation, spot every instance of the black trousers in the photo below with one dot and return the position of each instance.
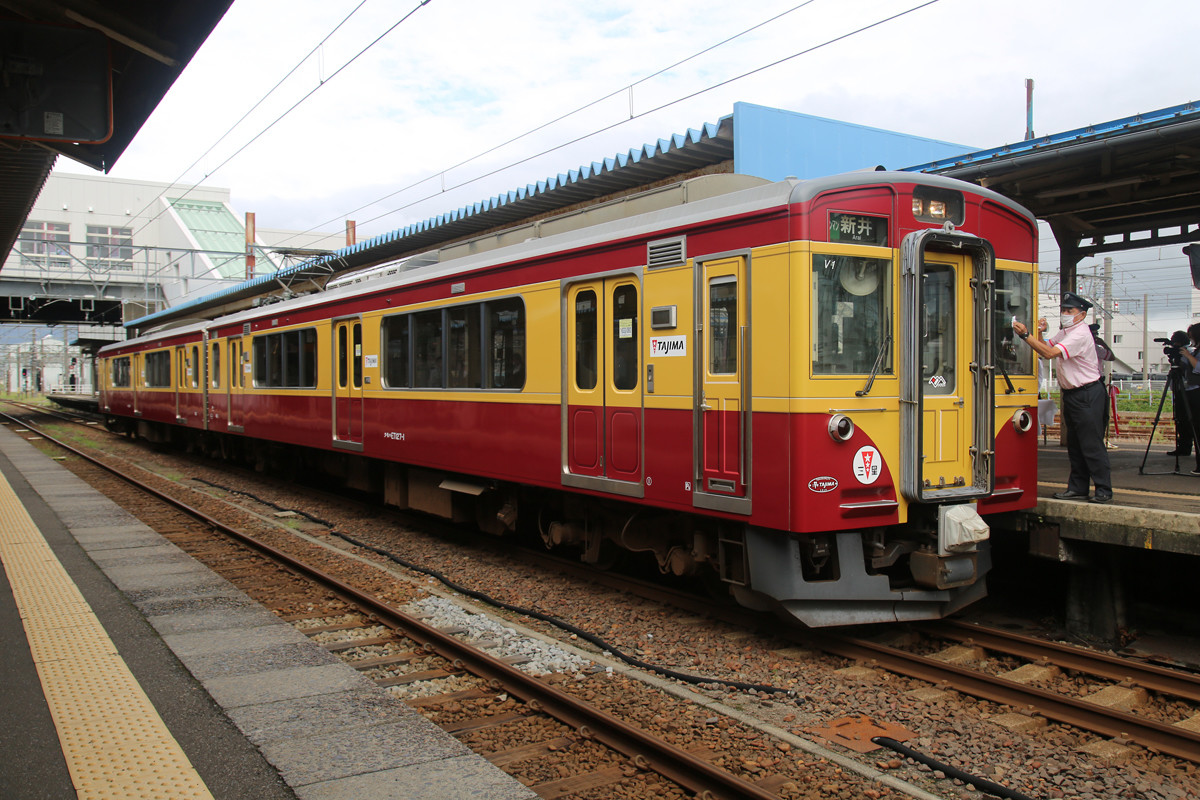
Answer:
(1084, 412)
(1183, 428)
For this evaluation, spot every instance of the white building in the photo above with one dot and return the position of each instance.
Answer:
(117, 239)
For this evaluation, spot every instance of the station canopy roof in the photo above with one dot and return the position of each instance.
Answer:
(149, 44)
(1121, 185)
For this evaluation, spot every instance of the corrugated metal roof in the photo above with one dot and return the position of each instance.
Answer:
(1104, 130)
(682, 152)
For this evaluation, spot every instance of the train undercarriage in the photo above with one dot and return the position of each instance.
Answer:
(819, 579)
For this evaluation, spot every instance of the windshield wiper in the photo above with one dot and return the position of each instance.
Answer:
(887, 340)
(1004, 372)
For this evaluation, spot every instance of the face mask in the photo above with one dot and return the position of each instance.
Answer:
(1066, 320)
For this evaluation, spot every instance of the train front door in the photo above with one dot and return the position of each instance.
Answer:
(722, 413)
(947, 368)
(236, 384)
(348, 384)
(602, 443)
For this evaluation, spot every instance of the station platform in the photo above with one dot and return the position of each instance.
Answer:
(132, 671)
(1155, 505)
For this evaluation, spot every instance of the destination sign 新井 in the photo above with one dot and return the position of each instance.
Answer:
(858, 228)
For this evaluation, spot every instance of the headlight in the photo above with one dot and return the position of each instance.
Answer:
(841, 428)
(1023, 420)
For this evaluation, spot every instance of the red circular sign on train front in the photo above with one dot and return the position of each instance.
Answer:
(868, 464)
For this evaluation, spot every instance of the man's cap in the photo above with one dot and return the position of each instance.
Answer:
(1072, 300)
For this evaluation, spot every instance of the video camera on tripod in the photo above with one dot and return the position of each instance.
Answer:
(1173, 347)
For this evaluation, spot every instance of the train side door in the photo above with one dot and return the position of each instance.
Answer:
(602, 418)
(722, 412)
(348, 383)
(236, 384)
(947, 362)
(181, 378)
(136, 382)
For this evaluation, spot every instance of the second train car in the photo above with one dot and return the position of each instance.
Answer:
(808, 390)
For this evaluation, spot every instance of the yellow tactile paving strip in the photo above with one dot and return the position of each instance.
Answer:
(115, 744)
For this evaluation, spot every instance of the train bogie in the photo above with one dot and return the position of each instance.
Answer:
(808, 389)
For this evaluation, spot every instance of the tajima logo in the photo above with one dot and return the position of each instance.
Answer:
(665, 346)
(937, 382)
(823, 484)
(867, 465)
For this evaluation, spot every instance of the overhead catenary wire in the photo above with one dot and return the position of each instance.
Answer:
(618, 123)
(316, 48)
(562, 117)
(421, 4)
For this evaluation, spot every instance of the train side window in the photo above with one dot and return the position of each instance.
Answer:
(308, 358)
(120, 373)
(358, 355)
(259, 350)
(586, 361)
(427, 350)
(851, 314)
(723, 325)
(625, 365)
(215, 366)
(157, 369)
(396, 352)
(343, 357)
(504, 340)
(463, 346)
(196, 366)
(1014, 298)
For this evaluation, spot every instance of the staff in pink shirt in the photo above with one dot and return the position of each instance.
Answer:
(1083, 398)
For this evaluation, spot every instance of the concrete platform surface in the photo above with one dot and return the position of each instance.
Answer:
(259, 710)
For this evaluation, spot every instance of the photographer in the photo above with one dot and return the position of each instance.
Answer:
(1084, 398)
(1191, 365)
(1173, 349)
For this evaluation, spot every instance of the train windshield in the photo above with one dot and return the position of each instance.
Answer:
(852, 306)
(1014, 299)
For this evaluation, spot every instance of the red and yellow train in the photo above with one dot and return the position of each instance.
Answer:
(809, 389)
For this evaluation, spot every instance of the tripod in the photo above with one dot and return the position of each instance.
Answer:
(1177, 386)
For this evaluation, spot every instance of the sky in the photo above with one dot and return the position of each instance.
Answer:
(390, 112)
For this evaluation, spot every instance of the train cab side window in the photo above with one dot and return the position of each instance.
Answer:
(215, 366)
(1014, 298)
(196, 368)
(586, 359)
(625, 337)
(851, 314)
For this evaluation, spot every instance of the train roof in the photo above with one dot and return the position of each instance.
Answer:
(431, 266)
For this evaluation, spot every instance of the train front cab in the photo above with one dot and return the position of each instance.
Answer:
(895, 441)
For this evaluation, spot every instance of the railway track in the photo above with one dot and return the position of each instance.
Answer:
(503, 695)
(972, 676)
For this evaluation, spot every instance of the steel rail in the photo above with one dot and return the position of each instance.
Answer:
(646, 751)
(1176, 741)
(1148, 676)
